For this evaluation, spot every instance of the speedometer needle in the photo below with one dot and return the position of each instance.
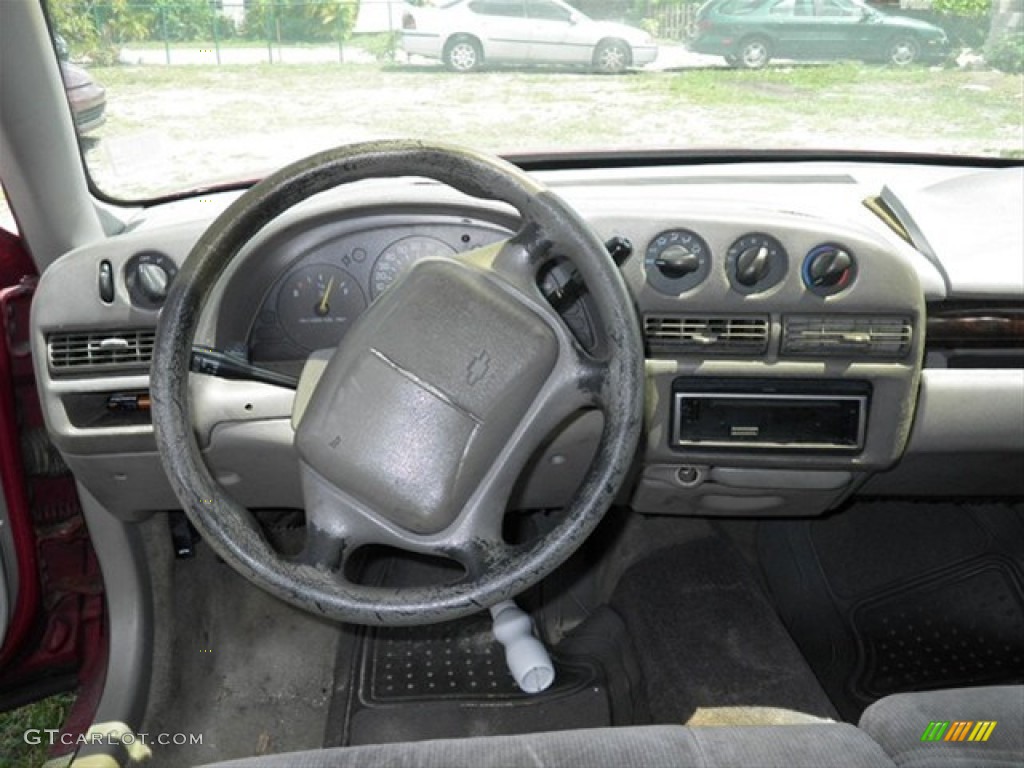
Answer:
(324, 307)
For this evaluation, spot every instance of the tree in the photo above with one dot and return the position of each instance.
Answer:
(1007, 20)
(1004, 48)
(301, 20)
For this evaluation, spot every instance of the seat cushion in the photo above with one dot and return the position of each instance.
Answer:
(924, 729)
(655, 746)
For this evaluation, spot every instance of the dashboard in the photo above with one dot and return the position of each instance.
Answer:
(806, 335)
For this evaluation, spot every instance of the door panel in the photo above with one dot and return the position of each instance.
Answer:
(555, 38)
(504, 29)
(793, 30)
(840, 29)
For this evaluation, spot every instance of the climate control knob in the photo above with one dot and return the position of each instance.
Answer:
(752, 265)
(677, 261)
(829, 269)
(755, 263)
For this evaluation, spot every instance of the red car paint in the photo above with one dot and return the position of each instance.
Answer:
(14, 266)
(57, 638)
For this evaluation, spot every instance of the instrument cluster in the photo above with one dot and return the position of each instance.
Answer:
(322, 293)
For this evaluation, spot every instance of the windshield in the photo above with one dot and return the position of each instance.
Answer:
(172, 95)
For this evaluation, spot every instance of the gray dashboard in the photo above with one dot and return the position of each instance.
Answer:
(774, 305)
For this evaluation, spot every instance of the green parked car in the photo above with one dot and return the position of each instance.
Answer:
(749, 33)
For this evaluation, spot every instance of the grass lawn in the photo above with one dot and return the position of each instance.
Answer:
(48, 713)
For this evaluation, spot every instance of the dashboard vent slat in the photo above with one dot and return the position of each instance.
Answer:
(847, 336)
(101, 350)
(706, 334)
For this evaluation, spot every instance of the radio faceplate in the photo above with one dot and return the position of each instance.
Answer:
(769, 414)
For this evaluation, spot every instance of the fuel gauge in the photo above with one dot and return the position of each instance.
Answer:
(317, 304)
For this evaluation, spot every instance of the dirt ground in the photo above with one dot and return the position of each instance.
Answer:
(174, 127)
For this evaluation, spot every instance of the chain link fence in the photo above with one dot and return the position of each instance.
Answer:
(108, 31)
(275, 31)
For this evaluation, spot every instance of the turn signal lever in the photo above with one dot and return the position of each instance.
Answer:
(216, 363)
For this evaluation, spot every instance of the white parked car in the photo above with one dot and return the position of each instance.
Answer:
(466, 33)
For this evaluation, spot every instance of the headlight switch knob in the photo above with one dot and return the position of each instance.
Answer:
(153, 280)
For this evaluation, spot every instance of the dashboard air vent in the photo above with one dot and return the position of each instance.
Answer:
(724, 335)
(847, 336)
(101, 350)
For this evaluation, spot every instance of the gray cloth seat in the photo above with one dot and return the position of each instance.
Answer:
(825, 745)
(889, 735)
(898, 723)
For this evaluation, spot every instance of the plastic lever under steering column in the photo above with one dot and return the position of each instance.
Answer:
(527, 658)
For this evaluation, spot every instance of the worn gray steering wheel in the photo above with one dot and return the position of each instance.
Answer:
(432, 405)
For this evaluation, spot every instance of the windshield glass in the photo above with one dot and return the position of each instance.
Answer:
(171, 95)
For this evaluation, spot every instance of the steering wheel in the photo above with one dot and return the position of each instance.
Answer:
(432, 405)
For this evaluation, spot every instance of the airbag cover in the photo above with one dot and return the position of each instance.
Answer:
(424, 392)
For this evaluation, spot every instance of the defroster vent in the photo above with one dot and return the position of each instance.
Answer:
(847, 336)
(722, 335)
(100, 350)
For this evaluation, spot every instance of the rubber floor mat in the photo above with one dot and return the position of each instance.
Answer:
(450, 680)
(890, 597)
(452, 661)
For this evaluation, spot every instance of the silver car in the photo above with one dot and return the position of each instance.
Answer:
(467, 33)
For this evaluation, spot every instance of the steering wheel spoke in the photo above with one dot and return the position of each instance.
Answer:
(522, 257)
(323, 549)
(332, 523)
(569, 390)
(479, 556)
(516, 261)
(591, 379)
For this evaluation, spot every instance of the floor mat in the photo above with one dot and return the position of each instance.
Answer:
(890, 597)
(450, 680)
(707, 635)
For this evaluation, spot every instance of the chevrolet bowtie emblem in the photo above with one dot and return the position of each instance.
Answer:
(478, 368)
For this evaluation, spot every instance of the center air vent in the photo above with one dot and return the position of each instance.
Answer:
(101, 351)
(723, 335)
(847, 336)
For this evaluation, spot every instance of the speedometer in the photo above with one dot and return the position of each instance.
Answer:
(317, 305)
(402, 254)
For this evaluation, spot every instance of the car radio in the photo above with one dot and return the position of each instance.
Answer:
(769, 414)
